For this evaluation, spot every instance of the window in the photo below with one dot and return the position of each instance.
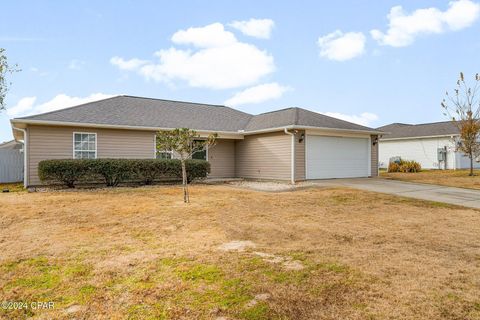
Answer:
(84, 145)
(200, 154)
(164, 155)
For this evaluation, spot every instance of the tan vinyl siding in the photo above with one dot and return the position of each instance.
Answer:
(299, 156)
(222, 159)
(264, 156)
(48, 142)
(374, 157)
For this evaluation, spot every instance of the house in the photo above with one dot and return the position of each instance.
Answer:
(431, 144)
(291, 144)
(11, 162)
(11, 145)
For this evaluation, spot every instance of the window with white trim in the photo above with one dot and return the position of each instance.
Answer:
(200, 154)
(162, 154)
(84, 145)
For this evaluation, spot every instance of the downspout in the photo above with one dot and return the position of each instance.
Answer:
(25, 143)
(292, 173)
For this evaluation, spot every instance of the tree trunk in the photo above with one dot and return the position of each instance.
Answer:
(471, 164)
(186, 198)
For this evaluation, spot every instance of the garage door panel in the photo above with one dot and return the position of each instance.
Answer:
(337, 157)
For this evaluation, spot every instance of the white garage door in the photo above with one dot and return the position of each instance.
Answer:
(337, 157)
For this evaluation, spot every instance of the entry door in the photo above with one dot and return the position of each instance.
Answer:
(337, 157)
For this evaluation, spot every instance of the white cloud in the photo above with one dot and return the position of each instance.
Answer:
(341, 46)
(219, 62)
(258, 28)
(257, 94)
(129, 65)
(23, 106)
(403, 28)
(364, 119)
(76, 64)
(26, 106)
(211, 36)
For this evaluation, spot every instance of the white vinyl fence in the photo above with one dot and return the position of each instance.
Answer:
(11, 166)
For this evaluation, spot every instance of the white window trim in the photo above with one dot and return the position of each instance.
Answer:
(206, 150)
(73, 142)
(156, 152)
(164, 151)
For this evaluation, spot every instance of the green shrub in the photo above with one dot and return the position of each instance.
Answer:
(66, 172)
(115, 171)
(404, 166)
(196, 169)
(112, 171)
(149, 170)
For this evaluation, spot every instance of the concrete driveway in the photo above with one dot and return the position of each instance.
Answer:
(459, 196)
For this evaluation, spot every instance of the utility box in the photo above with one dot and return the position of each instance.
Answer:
(441, 154)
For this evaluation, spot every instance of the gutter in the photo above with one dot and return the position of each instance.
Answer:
(25, 143)
(313, 128)
(292, 173)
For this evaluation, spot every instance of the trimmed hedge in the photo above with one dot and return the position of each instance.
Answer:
(114, 171)
(66, 172)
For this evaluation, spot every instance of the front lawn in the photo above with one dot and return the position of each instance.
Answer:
(141, 253)
(451, 178)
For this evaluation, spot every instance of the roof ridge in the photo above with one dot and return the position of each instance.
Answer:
(181, 101)
(337, 119)
(427, 123)
(188, 102)
(284, 109)
(72, 107)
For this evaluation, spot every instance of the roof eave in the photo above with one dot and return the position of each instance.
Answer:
(421, 137)
(300, 127)
(108, 126)
(239, 133)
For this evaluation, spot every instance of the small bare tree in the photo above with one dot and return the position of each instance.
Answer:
(464, 109)
(5, 69)
(184, 143)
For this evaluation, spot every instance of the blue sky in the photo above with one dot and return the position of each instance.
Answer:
(256, 56)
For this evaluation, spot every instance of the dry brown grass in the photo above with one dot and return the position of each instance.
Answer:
(451, 178)
(12, 187)
(143, 254)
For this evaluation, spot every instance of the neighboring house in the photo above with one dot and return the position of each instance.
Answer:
(422, 143)
(11, 145)
(11, 161)
(291, 144)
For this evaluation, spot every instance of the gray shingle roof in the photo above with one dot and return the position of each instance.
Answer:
(403, 130)
(12, 144)
(299, 117)
(158, 113)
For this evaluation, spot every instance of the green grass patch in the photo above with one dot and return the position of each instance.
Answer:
(257, 312)
(334, 267)
(77, 270)
(205, 272)
(86, 292)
